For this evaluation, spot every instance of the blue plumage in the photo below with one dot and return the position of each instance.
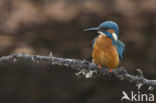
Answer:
(120, 48)
(110, 36)
(93, 41)
(106, 24)
(110, 25)
(104, 27)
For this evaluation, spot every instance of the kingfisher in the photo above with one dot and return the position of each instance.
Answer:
(107, 48)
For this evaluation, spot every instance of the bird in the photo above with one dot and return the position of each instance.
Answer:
(107, 48)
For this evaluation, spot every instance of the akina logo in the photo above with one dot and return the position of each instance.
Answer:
(137, 97)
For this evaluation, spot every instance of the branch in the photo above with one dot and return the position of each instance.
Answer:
(85, 68)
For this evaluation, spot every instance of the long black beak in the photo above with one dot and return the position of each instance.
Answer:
(92, 29)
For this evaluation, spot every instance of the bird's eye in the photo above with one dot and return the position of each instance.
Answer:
(104, 29)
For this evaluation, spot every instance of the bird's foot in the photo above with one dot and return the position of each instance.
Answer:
(99, 66)
(110, 70)
(102, 69)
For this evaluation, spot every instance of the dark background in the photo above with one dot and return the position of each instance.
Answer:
(41, 26)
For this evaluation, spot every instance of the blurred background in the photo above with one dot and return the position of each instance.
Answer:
(41, 26)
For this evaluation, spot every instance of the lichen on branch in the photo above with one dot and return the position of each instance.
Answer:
(86, 68)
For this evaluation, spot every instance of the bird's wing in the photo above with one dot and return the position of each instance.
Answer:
(120, 48)
(93, 41)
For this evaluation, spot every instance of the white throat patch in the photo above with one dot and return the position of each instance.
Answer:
(101, 33)
(115, 36)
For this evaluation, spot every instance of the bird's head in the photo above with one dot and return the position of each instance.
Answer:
(107, 28)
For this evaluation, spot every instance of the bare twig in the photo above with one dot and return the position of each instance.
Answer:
(87, 69)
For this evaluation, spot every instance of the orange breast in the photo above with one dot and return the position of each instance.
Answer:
(105, 53)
